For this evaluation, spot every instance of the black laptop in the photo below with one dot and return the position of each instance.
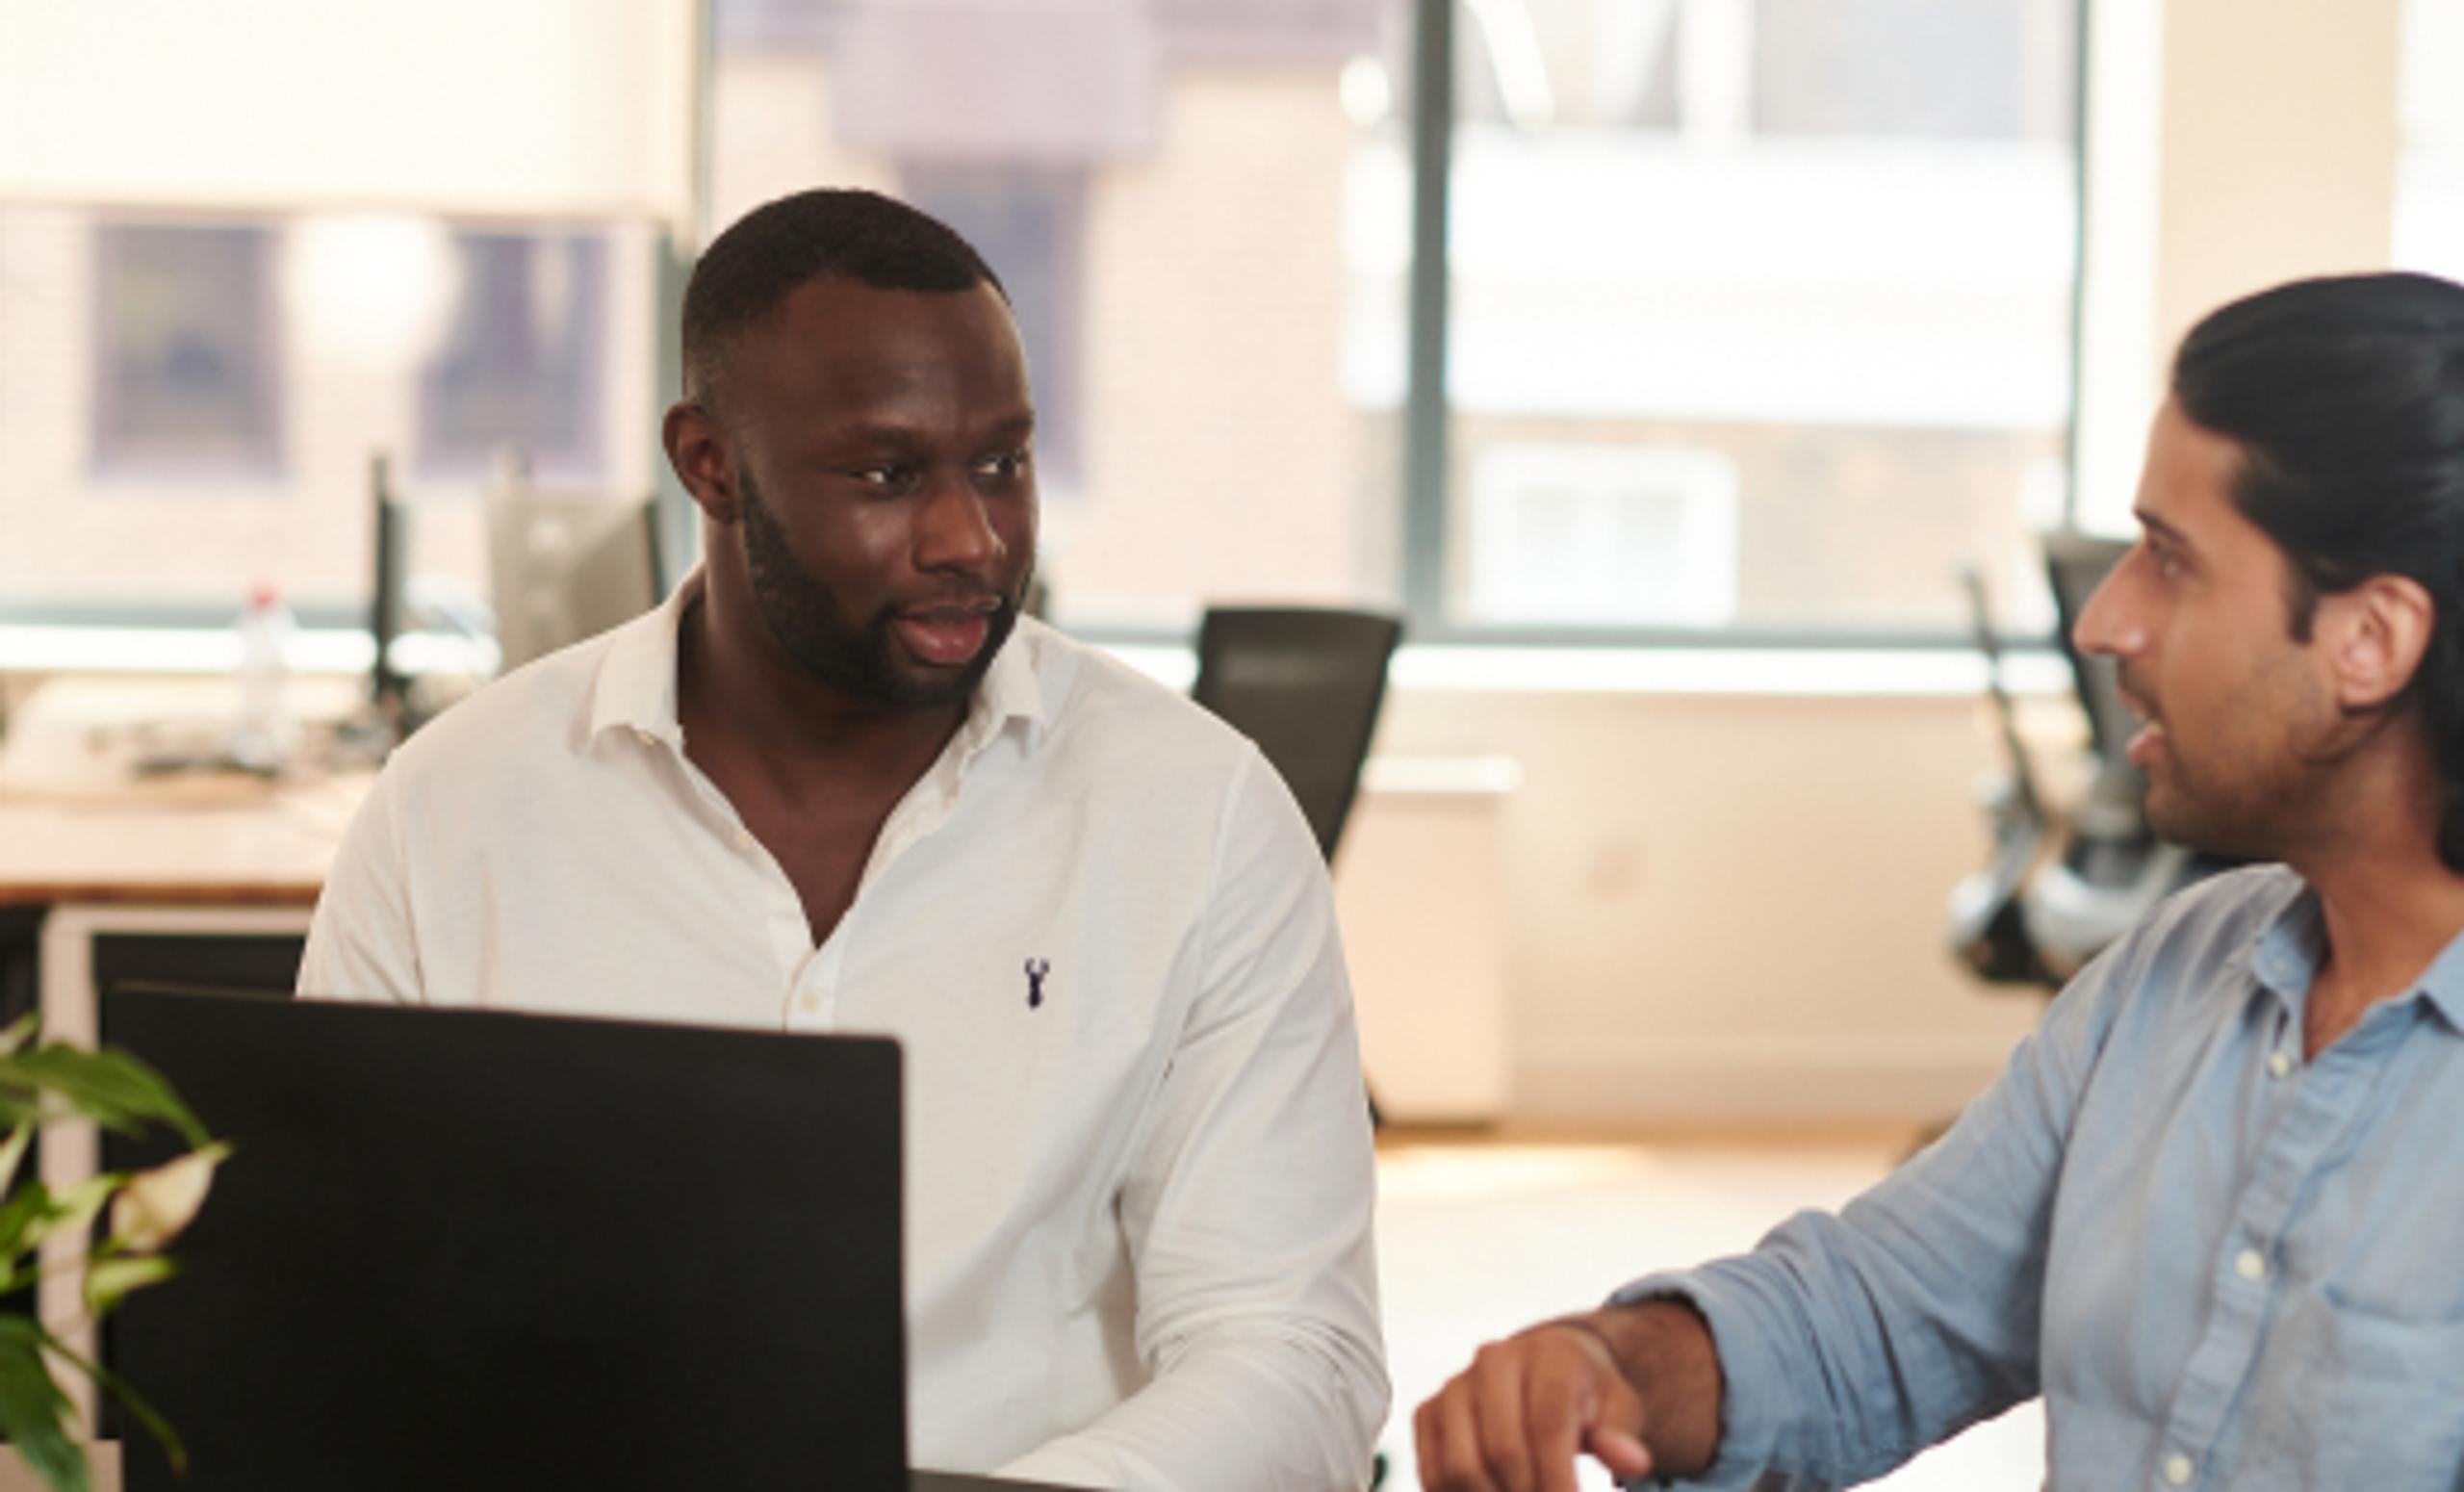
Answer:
(482, 1251)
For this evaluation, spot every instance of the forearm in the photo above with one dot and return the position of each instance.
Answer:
(1250, 1408)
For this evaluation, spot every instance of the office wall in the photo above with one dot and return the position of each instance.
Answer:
(539, 109)
(1728, 908)
(2279, 147)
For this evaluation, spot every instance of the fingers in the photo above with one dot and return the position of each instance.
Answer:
(1515, 1420)
(1614, 1434)
(1621, 1451)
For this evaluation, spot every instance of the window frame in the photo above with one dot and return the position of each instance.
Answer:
(1428, 538)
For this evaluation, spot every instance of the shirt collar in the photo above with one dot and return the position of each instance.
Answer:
(2291, 945)
(2442, 984)
(636, 686)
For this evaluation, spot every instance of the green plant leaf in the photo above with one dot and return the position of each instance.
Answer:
(109, 1281)
(13, 1152)
(34, 1413)
(111, 1088)
(146, 1413)
(24, 1207)
(18, 1032)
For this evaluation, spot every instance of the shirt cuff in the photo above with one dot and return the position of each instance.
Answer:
(1753, 1393)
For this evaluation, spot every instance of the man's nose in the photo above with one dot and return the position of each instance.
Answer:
(2107, 622)
(955, 531)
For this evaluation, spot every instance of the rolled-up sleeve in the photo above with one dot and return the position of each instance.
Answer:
(1849, 1343)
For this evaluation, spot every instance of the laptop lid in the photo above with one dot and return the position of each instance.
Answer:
(488, 1251)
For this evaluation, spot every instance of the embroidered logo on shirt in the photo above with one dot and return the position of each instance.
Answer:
(1037, 968)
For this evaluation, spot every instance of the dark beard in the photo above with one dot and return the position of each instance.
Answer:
(855, 659)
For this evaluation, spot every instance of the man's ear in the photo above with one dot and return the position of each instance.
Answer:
(701, 459)
(2376, 634)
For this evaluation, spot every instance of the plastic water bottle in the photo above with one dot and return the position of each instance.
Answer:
(263, 733)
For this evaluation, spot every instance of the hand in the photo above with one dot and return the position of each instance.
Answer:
(1514, 1420)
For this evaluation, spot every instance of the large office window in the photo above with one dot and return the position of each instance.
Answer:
(2429, 230)
(188, 408)
(186, 351)
(521, 375)
(1760, 313)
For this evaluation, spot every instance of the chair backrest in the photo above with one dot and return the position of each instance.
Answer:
(2076, 565)
(1305, 684)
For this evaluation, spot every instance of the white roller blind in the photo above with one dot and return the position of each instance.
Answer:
(522, 107)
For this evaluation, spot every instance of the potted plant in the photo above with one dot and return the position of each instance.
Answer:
(53, 1083)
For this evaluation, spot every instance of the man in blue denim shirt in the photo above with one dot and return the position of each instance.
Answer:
(2207, 1212)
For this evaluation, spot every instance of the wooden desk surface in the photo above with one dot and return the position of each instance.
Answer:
(78, 824)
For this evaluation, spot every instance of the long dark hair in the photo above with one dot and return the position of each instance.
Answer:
(2347, 398)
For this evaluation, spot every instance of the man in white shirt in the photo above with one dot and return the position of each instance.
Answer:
(828, 787)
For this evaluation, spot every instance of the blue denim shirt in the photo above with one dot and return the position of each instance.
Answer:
(2222, 1267)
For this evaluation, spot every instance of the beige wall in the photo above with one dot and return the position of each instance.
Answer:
(1730, 907)
(2278, 157)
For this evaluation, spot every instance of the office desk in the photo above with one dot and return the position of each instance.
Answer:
(79, 825)
(96, 856)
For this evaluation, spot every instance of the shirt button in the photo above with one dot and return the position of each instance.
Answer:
(2178, 1469)
(2251, 1264)
(2279, 1065)
(743, 839)
(645, 735)
(809, 1004)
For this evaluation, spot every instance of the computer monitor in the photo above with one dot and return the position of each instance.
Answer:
(485, 1250)
(2076, 565)
(564, 565)
(388, 562)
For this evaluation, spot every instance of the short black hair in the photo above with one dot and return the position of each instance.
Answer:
(2345, 395)
(764, 256)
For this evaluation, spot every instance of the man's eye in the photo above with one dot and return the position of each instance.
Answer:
(889, 477)
(1005, 465)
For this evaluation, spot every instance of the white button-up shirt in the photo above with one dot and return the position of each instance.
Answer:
(1139, 1178)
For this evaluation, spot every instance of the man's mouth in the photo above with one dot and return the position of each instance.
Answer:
(2149, 740)
(2145, 745)
(949, 635)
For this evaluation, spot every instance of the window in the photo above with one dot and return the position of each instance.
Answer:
(1915, 69)
(186, 351)
(1611, 536)
(1823, 248)
(2429, 231)
(187, 409)
(524, 363)
(1763, 306)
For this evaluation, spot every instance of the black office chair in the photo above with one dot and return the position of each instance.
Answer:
(1305, 684)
